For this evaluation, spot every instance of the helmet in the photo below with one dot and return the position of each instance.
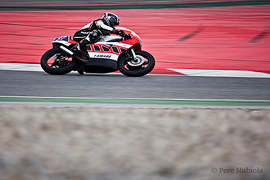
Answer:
(110, 19)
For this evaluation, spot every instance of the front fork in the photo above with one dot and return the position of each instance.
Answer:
(133, 54)
(133, 59)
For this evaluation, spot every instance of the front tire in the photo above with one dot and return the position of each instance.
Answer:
(143, 65)
(57, 62)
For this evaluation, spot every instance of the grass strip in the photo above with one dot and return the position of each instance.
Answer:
(138, 101)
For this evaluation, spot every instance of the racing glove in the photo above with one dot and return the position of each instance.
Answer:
(120, 33)
(127, 36)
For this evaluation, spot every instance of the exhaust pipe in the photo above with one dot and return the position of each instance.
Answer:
(67, 50)
(71, 53)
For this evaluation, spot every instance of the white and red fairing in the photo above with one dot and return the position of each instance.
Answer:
(108, 47)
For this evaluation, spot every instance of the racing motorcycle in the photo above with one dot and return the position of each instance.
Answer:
(109, 54)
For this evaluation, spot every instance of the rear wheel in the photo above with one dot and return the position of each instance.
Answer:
(57, 62)
(140, 66)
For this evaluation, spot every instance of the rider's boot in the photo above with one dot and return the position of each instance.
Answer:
(81, 49)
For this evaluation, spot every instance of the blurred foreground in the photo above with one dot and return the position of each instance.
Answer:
(131, 143)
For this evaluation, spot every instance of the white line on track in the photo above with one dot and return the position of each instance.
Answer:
(20, 67)
(222, 73)
(187, 72)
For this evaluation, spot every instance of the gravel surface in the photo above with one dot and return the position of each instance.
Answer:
(85, 143)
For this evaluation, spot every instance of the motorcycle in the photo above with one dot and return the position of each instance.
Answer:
(109, 54)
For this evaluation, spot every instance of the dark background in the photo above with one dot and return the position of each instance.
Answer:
(10, 2)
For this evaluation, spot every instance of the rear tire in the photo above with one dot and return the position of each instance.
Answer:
(57, 62)
(146, 67)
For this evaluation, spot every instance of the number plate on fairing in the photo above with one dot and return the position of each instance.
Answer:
(63, 38)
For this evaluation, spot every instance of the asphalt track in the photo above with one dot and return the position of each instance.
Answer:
(19, 83)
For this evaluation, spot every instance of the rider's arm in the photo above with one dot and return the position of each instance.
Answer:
(103, 26)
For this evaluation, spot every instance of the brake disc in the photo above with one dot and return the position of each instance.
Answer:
(138, 61)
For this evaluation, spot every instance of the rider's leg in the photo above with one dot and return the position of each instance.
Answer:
(93, 36)
(82, 45)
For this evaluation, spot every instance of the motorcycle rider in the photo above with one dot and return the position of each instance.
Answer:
(93, 31)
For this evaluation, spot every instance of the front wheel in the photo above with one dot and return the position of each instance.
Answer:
(57, 62)
(140, 66)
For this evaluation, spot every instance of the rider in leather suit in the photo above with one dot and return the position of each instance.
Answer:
(93, 31)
